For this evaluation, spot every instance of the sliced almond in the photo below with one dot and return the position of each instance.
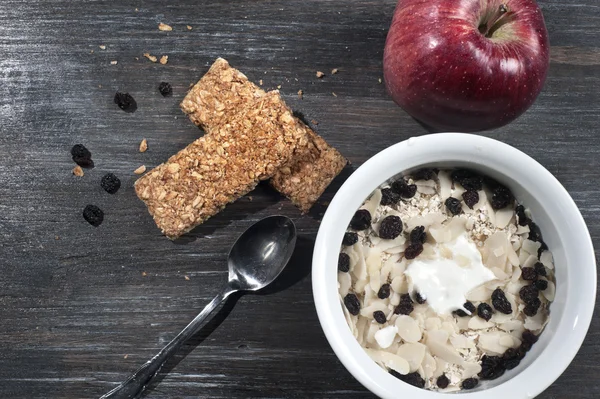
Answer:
(140, 170)
(550, 292)
(408, 329)
(413, 353)
(344, 283)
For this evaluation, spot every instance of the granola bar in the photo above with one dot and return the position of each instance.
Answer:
(223, 90)
(310, 171)
(200, 180)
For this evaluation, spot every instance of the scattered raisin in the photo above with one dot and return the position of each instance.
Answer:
(469, 383)
(361, 220)
(93, 215)
(540, 269)
(542, 248)
(82, 156)
(485, 311)
(349, 239)
(352, 304)
(541, 285)
(470, 180)
(529, 337)
(467, 305)
(528, 274)
(501, 197)
(165, 89)
(389, 197)
(442, 381)
(424, 174)
(390, 227)
(344, 263)
(492, 367)
(528, 293)
(405, 306)
(384, 291)
(110, 183)
(126, 102)
(413, 250)
(379, 317)
(413, 379)
(453, 205)
(521, 216)
(500, 302)
(532, 307)
(403, 189)
(471, 198)
(510, 353)
(419, 299)
(418, 235)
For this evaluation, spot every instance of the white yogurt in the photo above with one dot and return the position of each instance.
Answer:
(445, 282)
(385, 336)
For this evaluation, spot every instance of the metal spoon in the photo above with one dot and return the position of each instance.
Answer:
(255, 260)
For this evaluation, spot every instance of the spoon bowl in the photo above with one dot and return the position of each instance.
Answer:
(260, 254)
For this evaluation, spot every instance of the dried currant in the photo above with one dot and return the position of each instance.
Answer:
(110, 183)
(165, 89)
(388, 197)
(485, 311)
(471, 198)
(361, 220)
(390, 227)
(344, 263)
(500, 303)
(126, 102)
(93, 215)
(413, 250)
(349, 239)
(418, 235)
(453, 205)
(352, 304)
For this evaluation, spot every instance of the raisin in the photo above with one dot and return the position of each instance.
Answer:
(361, 220)
(403, 189)
(467, 305)
(405, 306)
(413, 379)
(468, 179)
(484, 311)
(442, 381)
(528, 293)
(469, 383)
(528, 274)
(349, 239)
(110, 183)
(379, 317)
(388, 197)
(419, 299)
(501, 197)
(542, 248)
(535, 234)
(492, 367)
(424, 174)
(540, 269)
(384, 291)
(418, 235)
(532, 307)
(93, 215)
(126, 102)
(521, 216)
(453, 205)
(390, 227)
(511, 364)
(510, 353)
(470, 198)
(82, 156)
(522, 351)
(413, 250)
(344, 263)
(529, 337)
(165, 89)
(541, 285)
(500, 302)
(79, 150)
(352, 304)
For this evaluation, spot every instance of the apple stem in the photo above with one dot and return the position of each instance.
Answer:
(496, 21)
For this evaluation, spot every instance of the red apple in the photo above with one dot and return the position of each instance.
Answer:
(466, 65)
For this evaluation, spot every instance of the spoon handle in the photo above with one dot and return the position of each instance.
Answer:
(132, 387)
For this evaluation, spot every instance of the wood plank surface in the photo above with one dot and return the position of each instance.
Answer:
(82, 307)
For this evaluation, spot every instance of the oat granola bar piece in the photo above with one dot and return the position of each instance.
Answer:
(220, 93)
(216, 169)
(310, 171)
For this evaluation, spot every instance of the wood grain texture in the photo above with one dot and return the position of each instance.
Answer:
(82, 307)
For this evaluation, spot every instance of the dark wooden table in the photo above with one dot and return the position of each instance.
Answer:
(82, 307)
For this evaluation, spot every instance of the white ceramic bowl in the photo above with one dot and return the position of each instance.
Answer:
(552, 208)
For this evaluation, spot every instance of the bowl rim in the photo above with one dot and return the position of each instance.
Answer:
(391, 161)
